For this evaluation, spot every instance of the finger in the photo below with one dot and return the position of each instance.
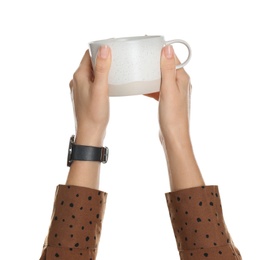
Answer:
(84, 71)
(86, 60)
(86, 63)
(153, 95)
(71, 85)
(168, 67)
(102, 67)
(181, 74)
(181, 70)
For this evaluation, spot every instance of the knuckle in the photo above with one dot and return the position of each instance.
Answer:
(71, 84)
(78, 76)
(183, 76)
(168, 67)
(101, 68)
(186, 76)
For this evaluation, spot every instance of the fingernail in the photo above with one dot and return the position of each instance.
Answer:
(104, 52)
(169, 51)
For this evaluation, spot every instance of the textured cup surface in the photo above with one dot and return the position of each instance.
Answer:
(135, 67)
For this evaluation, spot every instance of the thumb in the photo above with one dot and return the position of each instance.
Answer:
(168, 66)
(102, 66)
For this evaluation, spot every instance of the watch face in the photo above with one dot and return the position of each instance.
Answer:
(70, 150)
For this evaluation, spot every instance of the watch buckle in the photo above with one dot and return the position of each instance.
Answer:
(104, 154)
(70, 151)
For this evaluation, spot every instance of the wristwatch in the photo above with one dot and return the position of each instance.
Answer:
(86, 153)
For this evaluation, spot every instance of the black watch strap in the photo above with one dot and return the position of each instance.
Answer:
(86, 153)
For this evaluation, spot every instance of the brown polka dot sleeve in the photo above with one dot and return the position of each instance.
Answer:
(198, 224)
(76, 222)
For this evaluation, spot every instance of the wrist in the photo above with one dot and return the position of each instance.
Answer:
(86, 153)
(176, 141)
(182, 165)
(89, 138)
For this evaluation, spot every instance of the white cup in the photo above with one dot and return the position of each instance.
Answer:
(135, 67)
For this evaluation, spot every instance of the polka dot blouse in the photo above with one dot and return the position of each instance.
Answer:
(198, 224)
(196, 217)
(76, 222)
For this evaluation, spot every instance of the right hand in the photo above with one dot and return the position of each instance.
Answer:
(173, 99)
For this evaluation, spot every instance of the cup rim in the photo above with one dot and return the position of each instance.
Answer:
(125, 39)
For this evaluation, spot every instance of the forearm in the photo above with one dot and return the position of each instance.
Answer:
(78, 211)
(79, 206)
(198, 224)
(182, 166)
(76, 224)
(85, 173)
(204, 233)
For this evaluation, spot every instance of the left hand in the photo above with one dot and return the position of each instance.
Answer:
(90, 98)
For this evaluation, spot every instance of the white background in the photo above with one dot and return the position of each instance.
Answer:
(232, 120)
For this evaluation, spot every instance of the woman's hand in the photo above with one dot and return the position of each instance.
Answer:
(173, 98)
(89, 91)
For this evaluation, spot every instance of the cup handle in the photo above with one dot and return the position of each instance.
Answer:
(187, 46)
